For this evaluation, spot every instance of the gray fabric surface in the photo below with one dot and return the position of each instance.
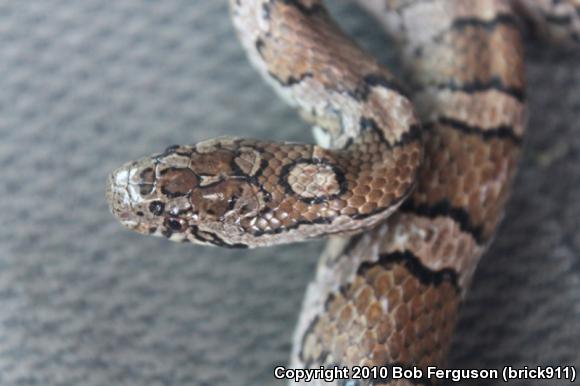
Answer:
(87, 85)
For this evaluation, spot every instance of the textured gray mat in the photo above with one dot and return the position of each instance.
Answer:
(87, 85)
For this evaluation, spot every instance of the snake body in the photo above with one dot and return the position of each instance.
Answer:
(442, 150)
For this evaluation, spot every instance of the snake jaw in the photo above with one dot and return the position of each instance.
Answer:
(184, 194)
(147, 196)
(122, 196)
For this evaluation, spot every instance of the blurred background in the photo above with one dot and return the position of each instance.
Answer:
(87, 85)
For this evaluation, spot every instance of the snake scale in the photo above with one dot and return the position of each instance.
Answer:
(409, 179)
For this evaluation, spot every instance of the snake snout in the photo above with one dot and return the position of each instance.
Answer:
(120, 199)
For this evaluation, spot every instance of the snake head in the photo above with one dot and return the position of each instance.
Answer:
(199, 193)
(241, 192)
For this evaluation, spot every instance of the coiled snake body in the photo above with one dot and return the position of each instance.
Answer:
(443, 151)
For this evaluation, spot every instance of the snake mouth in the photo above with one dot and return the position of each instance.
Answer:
(120, 199)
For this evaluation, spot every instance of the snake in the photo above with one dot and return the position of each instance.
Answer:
(408, 181)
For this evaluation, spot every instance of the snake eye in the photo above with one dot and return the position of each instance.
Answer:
(174, 224)
(156, 207)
